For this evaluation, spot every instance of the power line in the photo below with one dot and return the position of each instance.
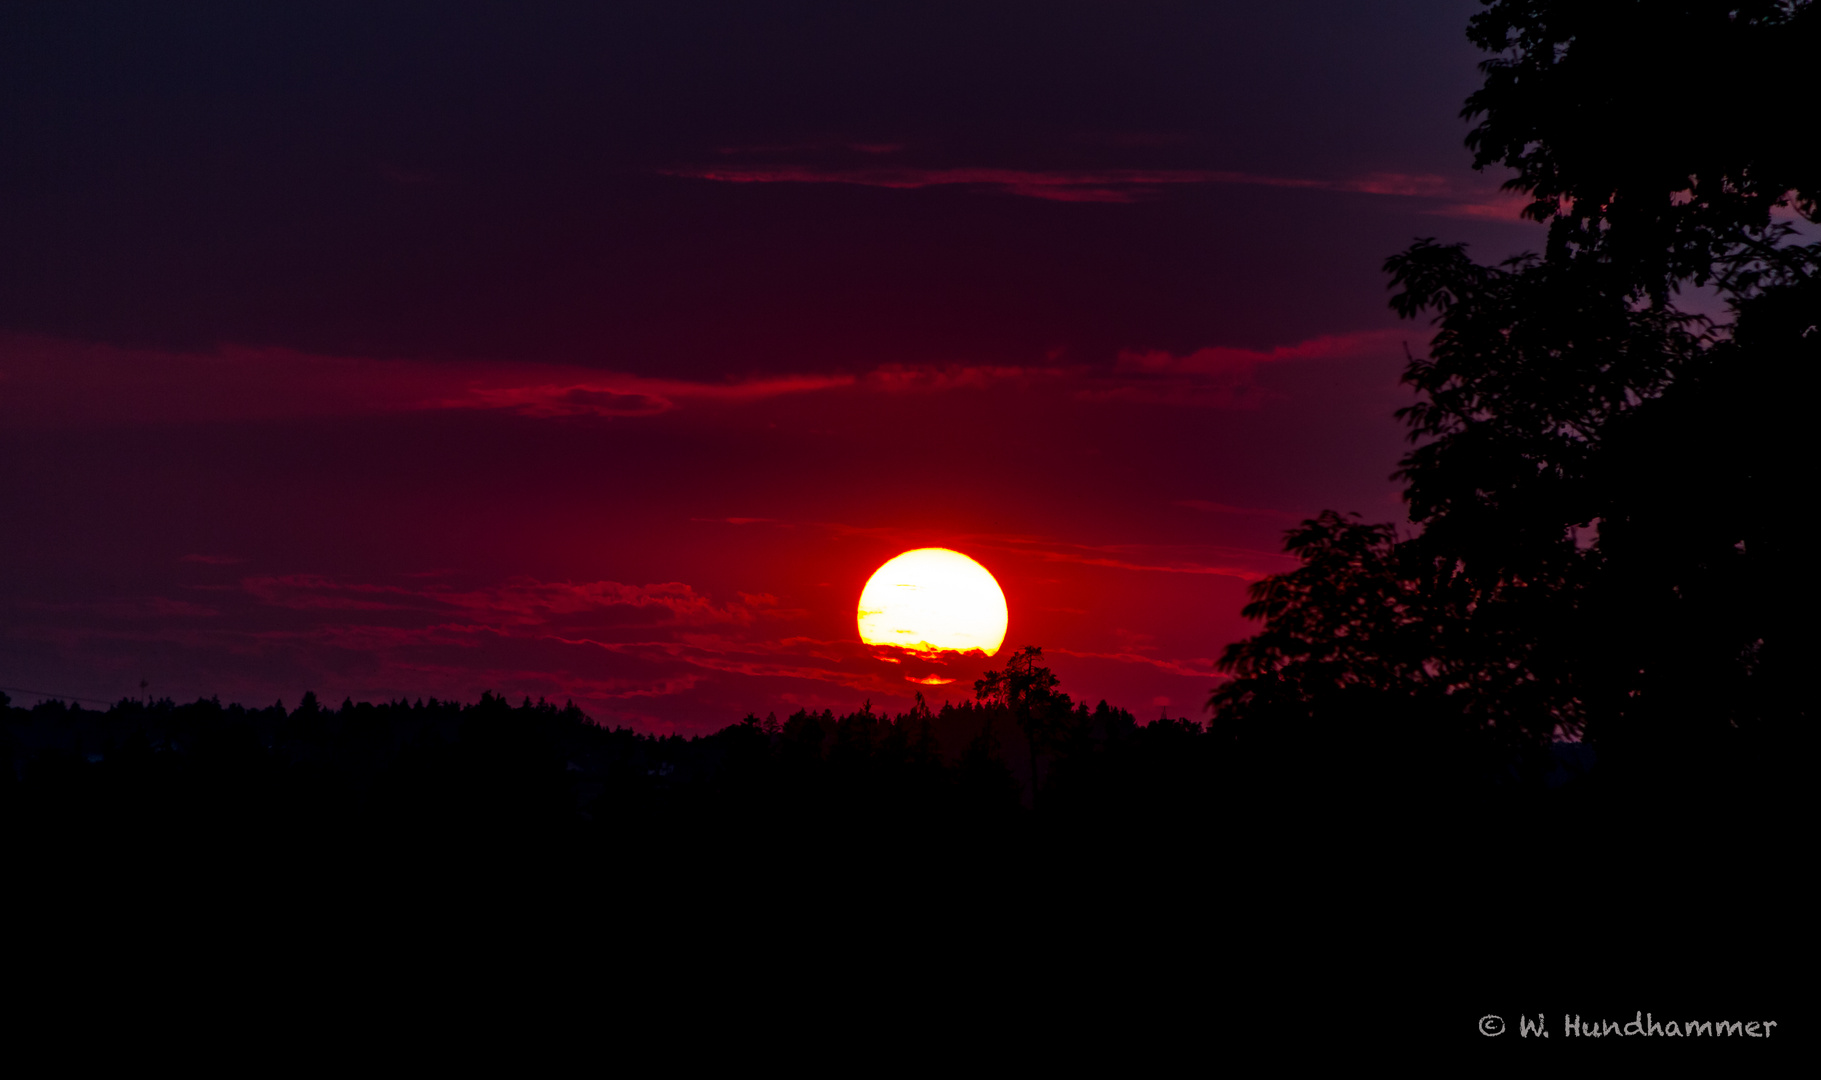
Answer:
(56, 697)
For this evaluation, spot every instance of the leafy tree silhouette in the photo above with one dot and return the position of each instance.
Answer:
(1346, 618)
(1652, 137)
(1026, 690)
(1557, 578)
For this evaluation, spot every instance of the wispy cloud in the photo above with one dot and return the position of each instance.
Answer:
(1223, 360)
(518, 602)
(52, 382)
(1062, 185)
(1244, 564)
(1224, 376)
(563, 401)
(668, 629)
(844, 664)
(901, 378)
(1200, 666)
(1443, 196)
(1450, 197)
(1501, 206)
(1151, 558)
(608, 394)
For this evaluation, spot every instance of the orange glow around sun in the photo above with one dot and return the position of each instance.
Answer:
(933, 600)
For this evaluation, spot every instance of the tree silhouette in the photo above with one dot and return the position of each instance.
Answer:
(1026, 690)
(1346, 618)
(1654, 137)
(1561, 575)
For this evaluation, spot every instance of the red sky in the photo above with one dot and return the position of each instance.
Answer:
(399, 351)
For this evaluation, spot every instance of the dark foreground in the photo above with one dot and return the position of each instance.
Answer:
(1341, 890)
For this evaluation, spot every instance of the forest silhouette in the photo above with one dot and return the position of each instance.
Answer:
(1570, 691)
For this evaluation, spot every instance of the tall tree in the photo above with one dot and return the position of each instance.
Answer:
(1600, 482)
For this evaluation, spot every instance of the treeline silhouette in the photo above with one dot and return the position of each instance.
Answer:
(490, 769)
(1022, 759)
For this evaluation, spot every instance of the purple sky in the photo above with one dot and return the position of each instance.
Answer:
(424, 349)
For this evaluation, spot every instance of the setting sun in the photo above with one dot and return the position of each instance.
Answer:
(933, 600)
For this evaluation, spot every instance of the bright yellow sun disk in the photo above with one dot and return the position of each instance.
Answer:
(933, 599)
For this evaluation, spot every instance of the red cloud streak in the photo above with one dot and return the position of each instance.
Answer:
(1082, 185)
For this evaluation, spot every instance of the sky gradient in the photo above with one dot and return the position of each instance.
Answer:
(412, 350)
